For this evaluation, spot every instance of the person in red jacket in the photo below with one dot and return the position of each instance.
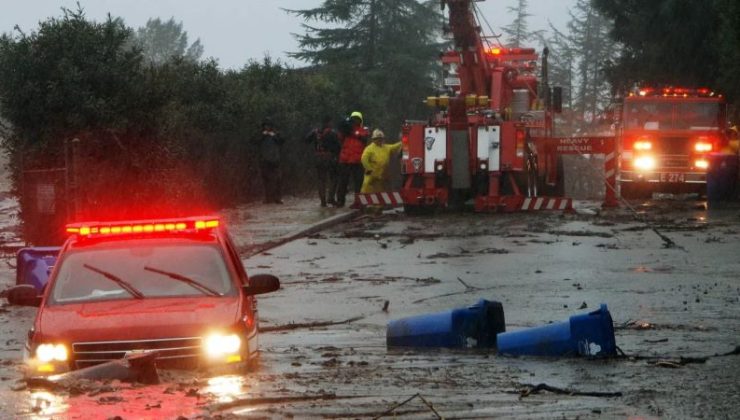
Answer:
(354, 138)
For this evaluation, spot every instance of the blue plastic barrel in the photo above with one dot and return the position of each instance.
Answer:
(722, 177)
(472, 327)
(33, 265)
(590, 334)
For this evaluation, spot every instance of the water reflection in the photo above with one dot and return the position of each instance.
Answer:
(43, 404)
(225, 388)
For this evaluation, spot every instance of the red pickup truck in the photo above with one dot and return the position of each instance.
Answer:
(174, 286)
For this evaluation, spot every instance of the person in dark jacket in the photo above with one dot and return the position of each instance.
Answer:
(354, 138)
(269, 147)
(326, 151)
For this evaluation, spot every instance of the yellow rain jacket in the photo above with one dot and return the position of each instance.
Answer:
(375, 160)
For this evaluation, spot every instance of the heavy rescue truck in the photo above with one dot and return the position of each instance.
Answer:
(665, 136)
(488, 138)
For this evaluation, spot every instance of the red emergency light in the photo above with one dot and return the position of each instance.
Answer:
(671, 91)
(142, 227)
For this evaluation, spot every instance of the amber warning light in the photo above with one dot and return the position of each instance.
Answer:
(140, 227)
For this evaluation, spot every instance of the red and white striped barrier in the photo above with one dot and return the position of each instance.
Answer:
(610, 175)
(546, 203)
(392, 199)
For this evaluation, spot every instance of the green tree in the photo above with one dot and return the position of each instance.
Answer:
(162, 40)
(562, 72)
(68, 76)
(665, 41)
(677, 42)
(594, 51)
(155, 140)
(381, 54)
(729, 52)
(517, 32)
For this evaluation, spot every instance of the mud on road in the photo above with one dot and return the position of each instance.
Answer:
(323, 344)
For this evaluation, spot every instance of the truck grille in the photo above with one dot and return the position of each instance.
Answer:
(170, 349)
(674, 162)
(673, 146)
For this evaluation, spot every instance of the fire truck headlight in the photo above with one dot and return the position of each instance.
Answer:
(702, 147)
(483, 166)
(440, 167)
(643, 145)
(644, 163)
(46, 353)
(701, 164)
(219, 345)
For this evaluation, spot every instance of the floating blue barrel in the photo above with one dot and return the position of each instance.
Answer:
(589, 334)
(33, 265)
(722, 177)
(472, 327)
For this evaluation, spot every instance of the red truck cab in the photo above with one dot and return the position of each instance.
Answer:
(665, 138)
(174, 286)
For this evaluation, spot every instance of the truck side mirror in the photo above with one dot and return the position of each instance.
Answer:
(23, 295)
(557, 99)
(261, 283)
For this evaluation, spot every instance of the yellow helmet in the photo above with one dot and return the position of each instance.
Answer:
(357, 114)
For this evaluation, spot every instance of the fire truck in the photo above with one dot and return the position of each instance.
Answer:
(487, 138)
(665, 135)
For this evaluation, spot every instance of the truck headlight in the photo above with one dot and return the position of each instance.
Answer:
(644, 163)
(46, 353)
(218, 345)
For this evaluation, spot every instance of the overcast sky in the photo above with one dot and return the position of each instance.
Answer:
(235, 31)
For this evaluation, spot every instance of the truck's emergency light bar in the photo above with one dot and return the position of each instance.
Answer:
(140, 227)
(674, 92)
(511, 51)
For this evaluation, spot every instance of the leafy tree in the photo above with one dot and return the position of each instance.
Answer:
(729, 52)
(562, 72)
(68, 76)
(155, 140)
(665, 41)
(677, 42)
(517, 32)
(579, 60)
(381, 54)
(594, 50)
(163, 40)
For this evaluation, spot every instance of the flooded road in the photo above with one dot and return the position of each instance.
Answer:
(672, 294)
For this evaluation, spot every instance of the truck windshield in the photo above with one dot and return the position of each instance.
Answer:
(672, 115)
(202, 264)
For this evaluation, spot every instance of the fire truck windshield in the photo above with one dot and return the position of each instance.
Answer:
(141, 266)
(659, 114)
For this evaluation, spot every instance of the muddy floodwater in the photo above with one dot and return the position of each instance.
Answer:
(674, 296)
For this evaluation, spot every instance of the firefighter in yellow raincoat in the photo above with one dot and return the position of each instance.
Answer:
(375, 160)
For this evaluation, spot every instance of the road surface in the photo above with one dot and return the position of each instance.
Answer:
(673, 294)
